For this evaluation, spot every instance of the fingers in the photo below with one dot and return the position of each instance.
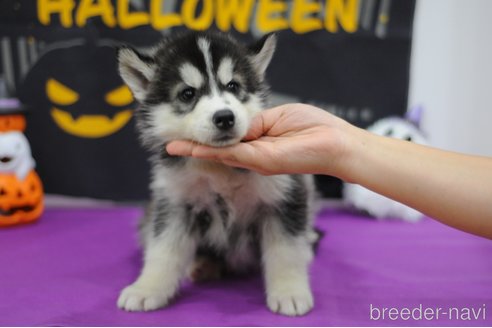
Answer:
(260, 126)
(187, 148)
(180, 148)
(256, 129)
(264, 122)
(240, 155)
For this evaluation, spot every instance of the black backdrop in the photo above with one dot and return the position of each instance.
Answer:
(349, 57)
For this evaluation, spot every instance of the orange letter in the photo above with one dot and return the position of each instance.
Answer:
(237, 11)
(201, 22)
(302, 22)
(265, 16)
(101, 8)
(62, 7)
(129, 19)
(162, 21)
(345, 11)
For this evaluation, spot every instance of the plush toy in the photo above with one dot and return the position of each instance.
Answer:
(376, 205)
(21, 191)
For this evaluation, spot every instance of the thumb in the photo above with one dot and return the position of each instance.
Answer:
(264, 122)
(180, 148)
(256, 128)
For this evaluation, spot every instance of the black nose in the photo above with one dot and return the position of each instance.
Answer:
(224, 119)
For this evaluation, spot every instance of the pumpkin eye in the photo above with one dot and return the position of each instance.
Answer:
(187, 95)
(120, 96)
(233, 86)
(3, 192)
(60, 94)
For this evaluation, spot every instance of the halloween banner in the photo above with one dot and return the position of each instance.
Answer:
(349, 57)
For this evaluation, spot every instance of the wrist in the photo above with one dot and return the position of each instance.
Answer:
(356, 147)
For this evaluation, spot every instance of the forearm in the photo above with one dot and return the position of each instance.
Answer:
(453, 188)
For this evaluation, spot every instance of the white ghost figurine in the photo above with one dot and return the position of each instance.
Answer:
(15, 155)
(377, 205)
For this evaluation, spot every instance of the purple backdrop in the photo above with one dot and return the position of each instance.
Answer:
(68, 268)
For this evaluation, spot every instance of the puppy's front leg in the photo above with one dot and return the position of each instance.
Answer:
(286, 258)
(167, 256)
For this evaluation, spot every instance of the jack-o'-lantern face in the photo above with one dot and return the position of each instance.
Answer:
(79, 90)
(80, 123)
(20, 201)
(88, 126)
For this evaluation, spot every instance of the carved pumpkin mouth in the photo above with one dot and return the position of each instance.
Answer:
(5, 159)
(21, 201)
(16, 209)
(90, 126)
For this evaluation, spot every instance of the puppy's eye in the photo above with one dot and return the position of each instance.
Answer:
(409, 138)
(233, 86)
(187, 94)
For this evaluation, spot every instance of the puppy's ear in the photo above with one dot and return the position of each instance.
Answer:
(262, 52)
(136, 70)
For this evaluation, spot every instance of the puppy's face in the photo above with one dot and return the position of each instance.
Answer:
(199, 86)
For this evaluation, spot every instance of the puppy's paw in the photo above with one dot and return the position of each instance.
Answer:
(140, 298)
(290, 301)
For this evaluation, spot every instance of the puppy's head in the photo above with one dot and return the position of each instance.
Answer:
(204, 87)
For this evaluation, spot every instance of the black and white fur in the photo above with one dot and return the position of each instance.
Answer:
(207, 87)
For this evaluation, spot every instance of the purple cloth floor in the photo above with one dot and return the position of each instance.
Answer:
(68, 269)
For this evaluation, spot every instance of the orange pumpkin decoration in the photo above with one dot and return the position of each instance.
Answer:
(20, 201)
(21, 191)
(11, 113)
(12, 122)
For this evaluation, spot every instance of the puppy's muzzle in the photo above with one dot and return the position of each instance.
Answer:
(224, 119)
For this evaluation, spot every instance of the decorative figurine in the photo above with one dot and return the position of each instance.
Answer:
(378, 206)
(21, 190)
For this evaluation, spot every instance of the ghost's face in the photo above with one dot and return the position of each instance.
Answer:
(14, 150)
(398, 128)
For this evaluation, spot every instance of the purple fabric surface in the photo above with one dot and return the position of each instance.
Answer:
(68, 269)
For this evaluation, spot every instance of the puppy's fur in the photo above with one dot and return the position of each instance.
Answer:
(207, 87)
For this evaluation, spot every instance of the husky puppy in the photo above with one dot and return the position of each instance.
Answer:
(207, 87)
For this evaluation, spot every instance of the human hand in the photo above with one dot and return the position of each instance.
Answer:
(299, 138)
(293, 138)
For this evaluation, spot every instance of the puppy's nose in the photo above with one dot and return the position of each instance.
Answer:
(224, 119)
